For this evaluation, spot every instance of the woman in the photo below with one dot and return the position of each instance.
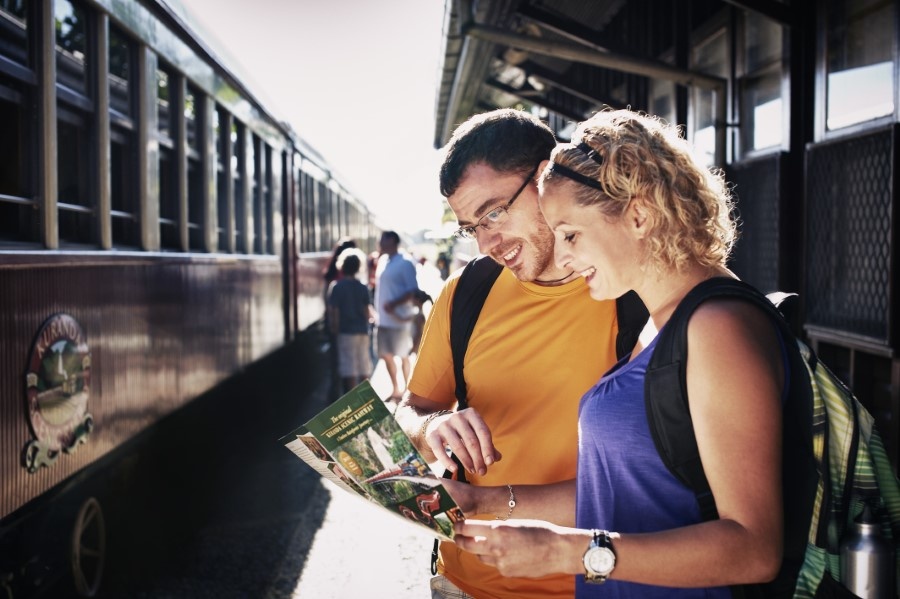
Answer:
(632, 208)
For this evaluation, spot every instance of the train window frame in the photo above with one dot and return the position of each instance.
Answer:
(224, 181)
(168, 98)
(241, 188)
(257, 192)
(19, 217)
(268, 194)
(124, 208)
(68, 77)
(194, 132)
(77, 213)
(14, 36)
(827, 33)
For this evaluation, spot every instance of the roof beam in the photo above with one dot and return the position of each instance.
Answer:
(591, 56)
(539, 100)
(554, 79)
(768, 8)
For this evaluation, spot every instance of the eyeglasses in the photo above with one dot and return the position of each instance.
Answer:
(495, 217)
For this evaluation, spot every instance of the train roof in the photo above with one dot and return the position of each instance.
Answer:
(192, 30)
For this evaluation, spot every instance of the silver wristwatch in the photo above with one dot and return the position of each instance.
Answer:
(599, 559)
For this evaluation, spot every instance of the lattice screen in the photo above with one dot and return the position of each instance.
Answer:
(849, 210)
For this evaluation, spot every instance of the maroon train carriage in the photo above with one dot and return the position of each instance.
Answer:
(160, 231)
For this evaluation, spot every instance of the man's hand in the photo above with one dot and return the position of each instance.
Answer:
(467, 436)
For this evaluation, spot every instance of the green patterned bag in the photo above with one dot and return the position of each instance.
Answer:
(834, 461)
(858, 472)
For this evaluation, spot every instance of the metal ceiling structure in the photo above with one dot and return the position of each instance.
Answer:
(569, 58)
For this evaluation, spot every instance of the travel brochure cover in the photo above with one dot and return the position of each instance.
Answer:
(357, 444)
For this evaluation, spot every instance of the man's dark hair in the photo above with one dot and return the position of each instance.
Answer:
(392, 235)
(506, 140)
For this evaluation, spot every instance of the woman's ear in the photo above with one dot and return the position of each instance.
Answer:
(638, 217)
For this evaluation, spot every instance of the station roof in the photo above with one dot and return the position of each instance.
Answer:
(567, 58)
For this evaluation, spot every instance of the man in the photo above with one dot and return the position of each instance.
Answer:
(539, 343)
(395, 288)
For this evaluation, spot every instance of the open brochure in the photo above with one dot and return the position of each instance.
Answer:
(357, 444)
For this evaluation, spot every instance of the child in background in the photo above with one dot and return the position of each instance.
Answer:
(349, 314)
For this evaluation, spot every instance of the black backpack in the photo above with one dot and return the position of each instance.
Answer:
(832, 456)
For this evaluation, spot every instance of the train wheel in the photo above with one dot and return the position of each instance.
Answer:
(88, 548)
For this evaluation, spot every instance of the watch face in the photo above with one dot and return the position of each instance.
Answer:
(600, 560)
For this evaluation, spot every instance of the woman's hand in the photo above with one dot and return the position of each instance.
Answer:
(524, 548)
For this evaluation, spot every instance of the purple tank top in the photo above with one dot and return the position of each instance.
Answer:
(623, 484)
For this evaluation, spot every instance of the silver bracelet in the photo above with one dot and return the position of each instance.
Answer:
(512, 502)
(424, 430)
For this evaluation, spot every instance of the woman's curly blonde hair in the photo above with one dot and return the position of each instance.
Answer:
(640, 156)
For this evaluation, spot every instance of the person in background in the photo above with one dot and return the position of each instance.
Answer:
(330, 274)
(371, 268)
(539, 343)
(633, 208)
(349, 314)
(395, 288)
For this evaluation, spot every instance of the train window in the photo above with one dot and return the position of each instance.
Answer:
(76, 213)
(256, 182)
(709, 56)
(77, 216)
(71, 46)
(13, 30)
(312, 189)
(18, 215)
(760, 84)
(121, 67)
(238, 174)
(269, 195)
(170, 237)
(251, 203)
(193, 114)
(306, 216)
(860, 69)
(123, 148)
(163, 101)
(323, 220)
(224, 191)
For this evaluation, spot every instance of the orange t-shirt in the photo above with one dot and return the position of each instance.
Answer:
(533, 353)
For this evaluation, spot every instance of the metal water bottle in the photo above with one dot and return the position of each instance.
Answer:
(867, 559)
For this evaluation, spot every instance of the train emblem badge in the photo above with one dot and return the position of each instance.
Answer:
(57, 389)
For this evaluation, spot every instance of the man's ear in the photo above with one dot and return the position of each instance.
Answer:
(541, 167)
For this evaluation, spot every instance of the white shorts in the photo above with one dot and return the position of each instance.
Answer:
(353, 355)
(394, 342)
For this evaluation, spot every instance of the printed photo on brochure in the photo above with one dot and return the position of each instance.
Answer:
(357, 444)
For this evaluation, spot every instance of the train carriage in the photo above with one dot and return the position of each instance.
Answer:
(160, 231)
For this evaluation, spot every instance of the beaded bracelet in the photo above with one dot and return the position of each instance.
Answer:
(424, 430)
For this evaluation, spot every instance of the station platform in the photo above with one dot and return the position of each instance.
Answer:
(242, 516)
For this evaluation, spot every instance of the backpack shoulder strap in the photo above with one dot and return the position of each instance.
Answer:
(631, 316)
(665, 387)
(472, 290)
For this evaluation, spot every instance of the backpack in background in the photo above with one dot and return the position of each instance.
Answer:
(834, 459)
